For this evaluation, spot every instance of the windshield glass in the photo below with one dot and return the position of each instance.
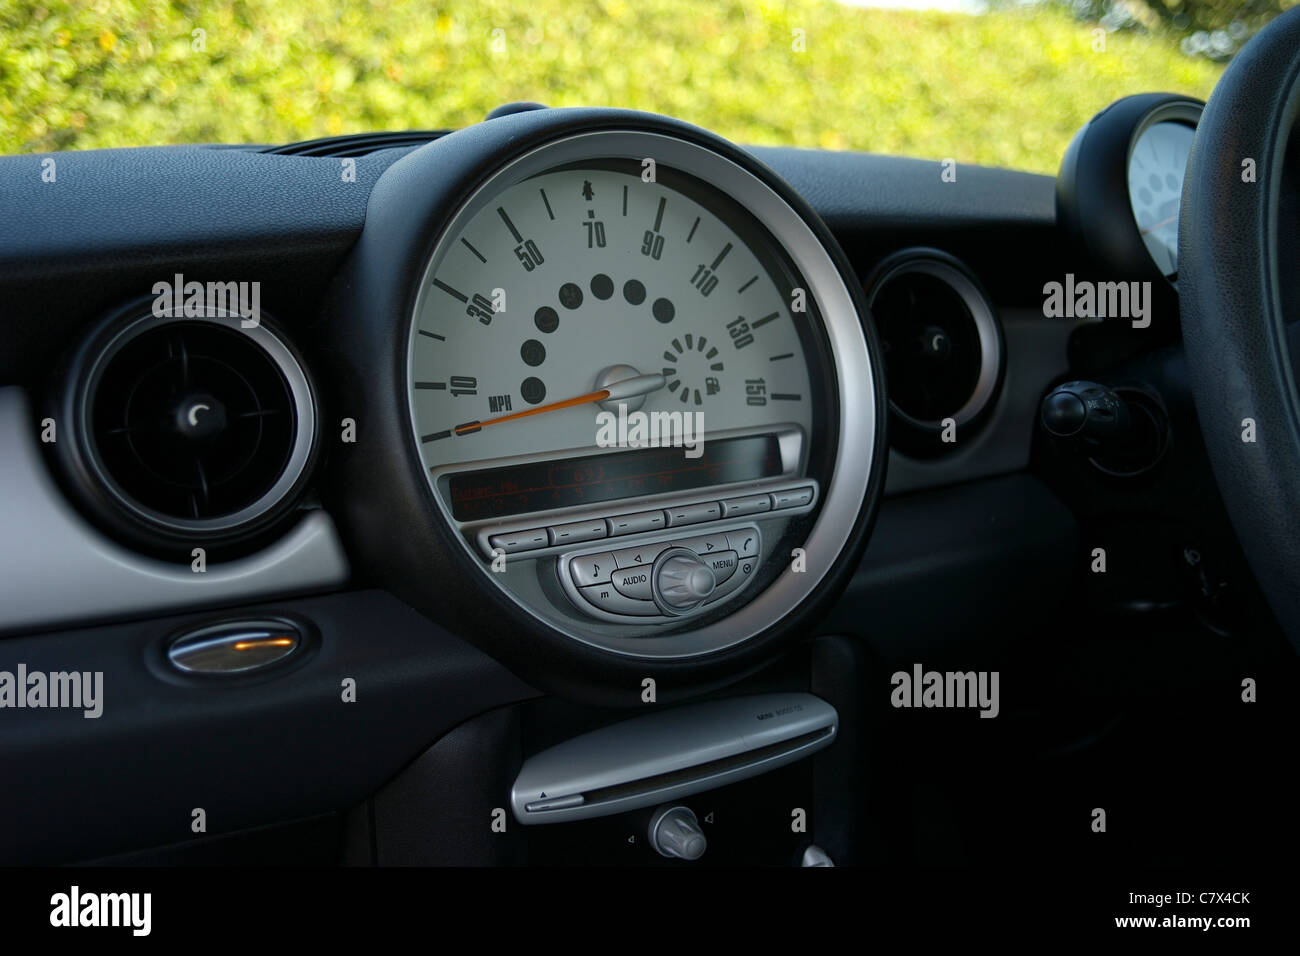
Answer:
(1006, 83)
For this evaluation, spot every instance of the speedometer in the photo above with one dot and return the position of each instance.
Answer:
(640, 407)
(589, 278)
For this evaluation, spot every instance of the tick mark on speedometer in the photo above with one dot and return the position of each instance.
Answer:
(602, 286)
(450, 291)
(501, 211)
(533, 390)
(470, 247)
(663, 310)
(634, 292)
(570, 295)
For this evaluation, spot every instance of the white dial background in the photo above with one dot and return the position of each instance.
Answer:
(585, 307)
(1155, 185)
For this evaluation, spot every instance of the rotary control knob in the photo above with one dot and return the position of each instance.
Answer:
(675, 832)
(681, 580)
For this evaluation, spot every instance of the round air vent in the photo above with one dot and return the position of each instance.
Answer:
(187, 431)
(942, 344)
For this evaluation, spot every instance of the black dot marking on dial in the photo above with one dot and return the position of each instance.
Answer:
(634, 292)
(663, 310)
(570, 295)
(602, 286)
(546, 319)
(533, 390)
(533, 352)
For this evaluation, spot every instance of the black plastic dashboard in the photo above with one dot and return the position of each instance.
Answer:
(120, 219)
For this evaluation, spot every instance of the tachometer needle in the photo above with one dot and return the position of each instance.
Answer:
(616, 391)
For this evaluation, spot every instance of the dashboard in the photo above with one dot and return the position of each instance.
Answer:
(554, 417)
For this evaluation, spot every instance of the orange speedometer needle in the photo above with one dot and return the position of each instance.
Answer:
(628, 388)
(1159, 225)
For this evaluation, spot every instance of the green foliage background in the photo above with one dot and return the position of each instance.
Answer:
(1007, 88)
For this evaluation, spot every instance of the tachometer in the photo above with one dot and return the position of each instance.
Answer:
(1121, 184)
(1155, 187)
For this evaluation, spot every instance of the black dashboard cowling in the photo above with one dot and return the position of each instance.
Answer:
(384, 506)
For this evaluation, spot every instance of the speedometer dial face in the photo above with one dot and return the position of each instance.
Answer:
(1155, 182)
(588, 279)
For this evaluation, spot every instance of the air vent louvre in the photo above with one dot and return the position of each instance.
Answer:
(193, 420)
(942, 344)
(932, 348)
(186, 430)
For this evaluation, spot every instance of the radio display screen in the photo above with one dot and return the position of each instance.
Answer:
(516, 489)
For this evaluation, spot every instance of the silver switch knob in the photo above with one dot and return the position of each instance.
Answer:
(682, 580)
(675, 832)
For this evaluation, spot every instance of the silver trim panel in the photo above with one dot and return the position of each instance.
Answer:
(670, 754)
(691, 538)
(57, 569)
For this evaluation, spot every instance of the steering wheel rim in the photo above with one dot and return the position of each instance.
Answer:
(1230, 297)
